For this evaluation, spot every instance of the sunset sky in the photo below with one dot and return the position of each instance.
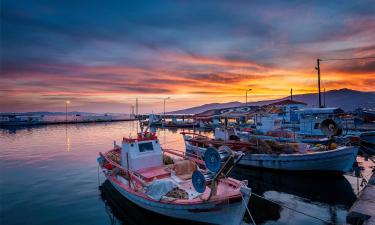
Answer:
(101, 55)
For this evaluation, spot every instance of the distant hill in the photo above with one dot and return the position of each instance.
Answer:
(205, 107)
(346, 99)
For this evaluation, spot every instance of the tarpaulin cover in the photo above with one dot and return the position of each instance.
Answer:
(158, 188)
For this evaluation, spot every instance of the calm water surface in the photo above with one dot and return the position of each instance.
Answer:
(49, 175)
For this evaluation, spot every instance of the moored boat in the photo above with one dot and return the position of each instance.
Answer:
(181, 190)
(269, 154)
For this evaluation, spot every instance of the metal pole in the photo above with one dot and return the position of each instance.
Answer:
(246, 98)
(164, 108)
(66, 112)
(291, 94)
(246, 95)
(136, 106)
(318, 68)
(164, 99)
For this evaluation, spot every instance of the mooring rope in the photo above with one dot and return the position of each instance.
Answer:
(98, 177)
(248, 210)
(290, 208)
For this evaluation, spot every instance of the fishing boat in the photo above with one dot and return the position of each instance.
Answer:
(189, 189)
(282, 136)
(269, 154)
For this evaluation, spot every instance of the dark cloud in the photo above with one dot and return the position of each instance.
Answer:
(86, 47)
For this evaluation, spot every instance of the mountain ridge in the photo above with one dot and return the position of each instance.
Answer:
(345, 98)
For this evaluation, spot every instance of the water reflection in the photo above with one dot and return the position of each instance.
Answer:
(37, 159)
(67, 139)
(316, 188)
(322, 196)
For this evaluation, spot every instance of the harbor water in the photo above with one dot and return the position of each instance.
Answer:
(49, 175)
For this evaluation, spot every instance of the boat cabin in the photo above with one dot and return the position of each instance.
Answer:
(144, 156)
(141, 152)
(311, 118)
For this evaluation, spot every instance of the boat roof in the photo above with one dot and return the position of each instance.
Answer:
(288, 102)
(148, 136)
(335, 110)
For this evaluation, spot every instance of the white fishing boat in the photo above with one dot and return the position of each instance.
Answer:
(181, 190)
(297, 156)
(339, 160)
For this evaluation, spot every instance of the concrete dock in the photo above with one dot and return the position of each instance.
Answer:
(363, 210)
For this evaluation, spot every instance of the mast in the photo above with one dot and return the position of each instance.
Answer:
(136, 106)
(291, 94)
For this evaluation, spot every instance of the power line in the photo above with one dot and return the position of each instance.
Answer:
(370, 57)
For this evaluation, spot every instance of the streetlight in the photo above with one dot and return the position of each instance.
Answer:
(164, 99)
(164, 103)
(246, 94)
(66, 110)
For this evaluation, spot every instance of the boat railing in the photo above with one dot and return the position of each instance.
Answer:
(186, 155)
(132, 174)
(192, 133)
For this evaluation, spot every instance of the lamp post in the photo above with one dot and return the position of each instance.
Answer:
(246, 94)
(66, 111)
(164, 103)
(164, 99)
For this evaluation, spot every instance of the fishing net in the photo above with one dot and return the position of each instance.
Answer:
(115, 156)
(177, 193)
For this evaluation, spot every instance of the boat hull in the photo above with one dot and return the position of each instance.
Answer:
(367, 142)
(228, 213)
(335, 161)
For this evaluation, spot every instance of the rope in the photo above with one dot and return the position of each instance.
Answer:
(285, 206)
(98, 177)
(248, 210)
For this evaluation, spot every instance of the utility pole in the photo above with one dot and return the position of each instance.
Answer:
(334, 59)
(318, 69)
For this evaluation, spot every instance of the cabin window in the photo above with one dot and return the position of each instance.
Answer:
(145, 147)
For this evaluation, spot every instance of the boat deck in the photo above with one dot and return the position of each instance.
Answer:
(149, 174)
